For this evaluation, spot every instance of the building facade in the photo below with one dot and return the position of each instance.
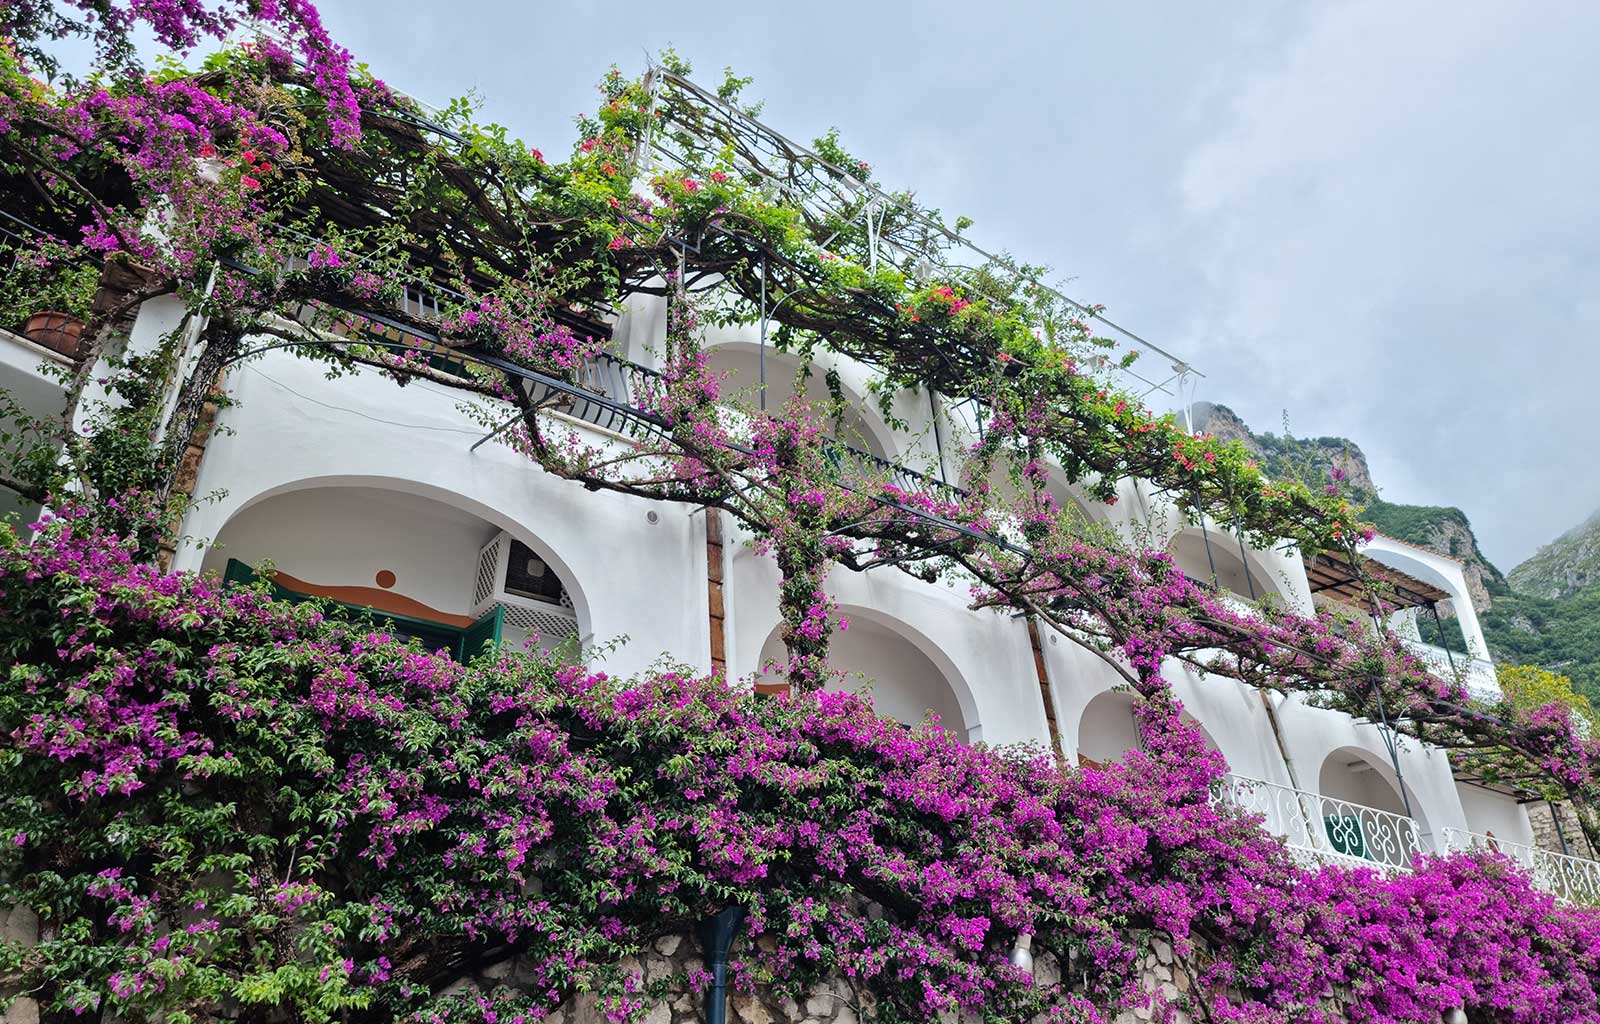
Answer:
(360, 490)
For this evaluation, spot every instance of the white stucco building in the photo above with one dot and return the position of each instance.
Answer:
(363, 491)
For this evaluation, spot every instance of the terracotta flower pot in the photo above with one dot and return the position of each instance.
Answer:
(59, 332)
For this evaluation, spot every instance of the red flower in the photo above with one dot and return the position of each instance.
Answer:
(247, 182)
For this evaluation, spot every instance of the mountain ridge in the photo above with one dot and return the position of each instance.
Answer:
(1563, 567)
(1445, 530)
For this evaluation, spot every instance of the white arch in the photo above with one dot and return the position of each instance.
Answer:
(1236, 574)
(1441, 571)
(1064, 491)
(860, 413)
(490, 515)
(1337, 779)
(957, 685)
(1067, 496)
(1107, 728)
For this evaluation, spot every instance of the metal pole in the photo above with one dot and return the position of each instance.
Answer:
(1433, 606)
(1205, 535)
(1243, 557)
(1561, 835)
(1383, 716)
(763, 332)
(497, 431)
(938, 442)
(1394, 758)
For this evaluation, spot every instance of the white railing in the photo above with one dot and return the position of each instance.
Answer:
(1477, 673)
(1321, 828)
(1566, 877)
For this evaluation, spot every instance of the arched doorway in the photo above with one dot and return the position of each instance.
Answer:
(1080, 510)
(426, 568)
(1206, 554)
(895, 668)
(1364, 813)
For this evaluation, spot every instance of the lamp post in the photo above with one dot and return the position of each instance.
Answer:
(716, 938)
(1022, 953)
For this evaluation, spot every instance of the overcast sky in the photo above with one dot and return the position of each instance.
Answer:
(1377, 218)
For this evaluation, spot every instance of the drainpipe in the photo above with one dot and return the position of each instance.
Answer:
(716, 938)
(1277, 734)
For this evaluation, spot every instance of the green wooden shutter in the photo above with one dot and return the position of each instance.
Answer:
(485, 633)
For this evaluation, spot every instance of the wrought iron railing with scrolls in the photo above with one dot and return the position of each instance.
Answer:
(1565, 876)
(1324, 829)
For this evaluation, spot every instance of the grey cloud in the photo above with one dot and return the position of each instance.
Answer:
(1379, 217)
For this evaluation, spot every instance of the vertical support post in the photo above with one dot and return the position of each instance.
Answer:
(872, 237)
(1244, 559)
(938, 441)
(1433, 606)
(1205, 535)
(1383, 715)
(1561, 834)
(714, 593)
(1050, 720)
(763, 332)
(1394, 756)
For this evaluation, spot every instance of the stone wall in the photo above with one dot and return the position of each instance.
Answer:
(839, 1001)
(19, 925)
(1545, 836)
(672, 958)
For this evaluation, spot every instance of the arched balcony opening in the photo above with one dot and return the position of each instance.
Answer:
(1363, 812)
(1109, 728)
(1079, 508)
(1207, 556)
(904, 676)
(858, 425)
(423, 568)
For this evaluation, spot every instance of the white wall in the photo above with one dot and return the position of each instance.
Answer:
(1488, 811)
(1443, 572)
(985, 657)
(887, 669)
(343, 536)
(293, 429)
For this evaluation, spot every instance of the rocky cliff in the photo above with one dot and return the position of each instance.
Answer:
(1313, 461)
(1563, 567)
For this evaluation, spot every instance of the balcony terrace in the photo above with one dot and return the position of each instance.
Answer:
(1320, 829)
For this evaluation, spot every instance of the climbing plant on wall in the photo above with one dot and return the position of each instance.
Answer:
(288, 199)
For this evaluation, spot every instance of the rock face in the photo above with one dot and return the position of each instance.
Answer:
(1563, 567)
(1313, 460)
(1309, 460)
(1446, 531)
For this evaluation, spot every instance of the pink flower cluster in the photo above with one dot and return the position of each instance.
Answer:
(376, 802)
